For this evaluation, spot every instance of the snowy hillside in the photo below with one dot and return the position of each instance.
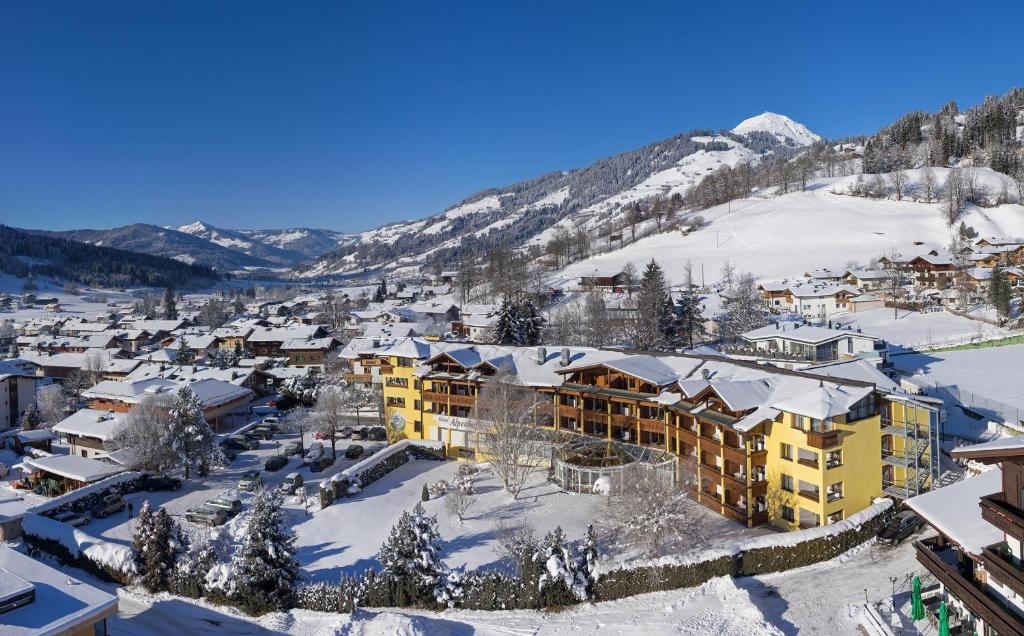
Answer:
(531, 212)
(785, 236)
(240, 242)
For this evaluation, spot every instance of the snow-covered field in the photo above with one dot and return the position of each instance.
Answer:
(788, 235)
(992, 372)
(338, 539)
(914, 330)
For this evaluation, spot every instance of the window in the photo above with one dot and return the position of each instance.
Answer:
(786, 451)
(787, 483)
(834, 459)
(417, 385)
(417, 404)
(417, 426)
(405, 362)
(863, 408)
(835, 491)
(788, 514)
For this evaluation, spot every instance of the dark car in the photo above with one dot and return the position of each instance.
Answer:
(899, 528)
(240, 442)
(353, 451)
(277, 462)
(320, 464)
(377, 434)
(108, 506)
(153, 483)
(360, 433)
(345, 432)
(292, 448)
(229, 454)
(258, 433)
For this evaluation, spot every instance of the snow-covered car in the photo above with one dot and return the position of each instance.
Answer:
(292, 482)
(250, 481)
(73, 519)
(292, 448)
(206, 516)
(108, 506)
(321, 435)
(314, 452)
(229, 504)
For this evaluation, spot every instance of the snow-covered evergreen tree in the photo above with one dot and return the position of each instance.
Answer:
(264, 568)
(519, 322)
(183, 355)
(158, 540)
(410, 559)
(31, 417)
(561, 581)
(143, 529)
(743, 308)
(381, 293)
(586, 558)
(189, 436)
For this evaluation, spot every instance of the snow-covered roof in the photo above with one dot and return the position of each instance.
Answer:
(809, 334)
(210, 391)
(320, 344)
(953, 510)
(1012, 446)
(93, 423)
(61, 601)
(73, 467)
(824, 401)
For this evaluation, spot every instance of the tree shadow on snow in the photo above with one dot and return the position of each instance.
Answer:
(767, 599)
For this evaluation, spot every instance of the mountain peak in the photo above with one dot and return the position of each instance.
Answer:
(780, 126)
(194, 228)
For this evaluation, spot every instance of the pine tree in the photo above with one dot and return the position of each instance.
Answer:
(160, 546)
(519, 322)
(239, 354)
(410, 559)
(586, 558)
(265, 568)
(31, 418)
(653, 316)
(530, 321)
(561, 582)
(425, 495)
(188, 434)
(743, 309)
(170, 306)
(689, 318)
(183, 355)
(382, 292)
(999, 292)
(140, 537)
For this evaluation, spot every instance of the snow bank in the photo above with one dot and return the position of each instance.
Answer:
(75, 495)
(119, 558)
(354, 472)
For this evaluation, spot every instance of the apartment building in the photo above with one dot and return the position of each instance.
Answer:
(758, 444)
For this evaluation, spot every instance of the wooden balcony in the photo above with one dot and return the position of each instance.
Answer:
(930, 553)
(569, 411)
(1003, 516)
(810, 494)
(1003, 568)
(595, 417)
(386, 369)
(623, 420)
(462, 400)
(358, 377)
(434, 396)
(823, 440)
(740, 482)
(735, 455)
(652, 425)
(810, 463)
(735, 512)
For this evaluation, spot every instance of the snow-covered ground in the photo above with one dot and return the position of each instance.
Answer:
(915, 330)
(989, 372)
(787, 235)
(338, 539)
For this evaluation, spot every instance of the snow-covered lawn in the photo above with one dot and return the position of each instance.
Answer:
(345, 537)
(914, 330)
(988, 372)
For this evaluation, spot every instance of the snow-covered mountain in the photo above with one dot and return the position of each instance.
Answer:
(310, 242)
(783, 128)
(594, 198)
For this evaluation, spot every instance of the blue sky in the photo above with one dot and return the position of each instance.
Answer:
(347, 116)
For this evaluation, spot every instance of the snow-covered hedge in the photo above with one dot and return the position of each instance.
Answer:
(364, 473)
(757, 555)
(109, 561)
(88, 496)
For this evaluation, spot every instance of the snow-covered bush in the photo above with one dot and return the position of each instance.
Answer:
(438, 489)
(561, 581)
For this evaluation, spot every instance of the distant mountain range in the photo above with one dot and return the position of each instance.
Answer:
(205, 244)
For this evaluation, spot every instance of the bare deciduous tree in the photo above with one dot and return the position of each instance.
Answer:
(515, 540)
(899, 182)
(143, 430)
(895, 279)
(51, 401)
(503, 422)
(954, 197)
(651, 510)
(457, 502)
(928, 183)
(327, 416)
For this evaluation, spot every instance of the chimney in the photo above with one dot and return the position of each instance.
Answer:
(705, 373)
(542, 355)
(564, 360)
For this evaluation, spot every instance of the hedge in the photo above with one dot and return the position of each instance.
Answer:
(625, 582)
(83, 499)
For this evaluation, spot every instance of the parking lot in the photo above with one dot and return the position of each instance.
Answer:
(197, 491)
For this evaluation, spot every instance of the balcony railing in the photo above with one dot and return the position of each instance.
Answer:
(435, 396)
(822, 439)
(999, 563)
(462, 400)
(813, 495)
(810, 463)
(359, 377)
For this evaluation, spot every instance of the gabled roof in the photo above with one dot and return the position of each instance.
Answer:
(823, 402)
(953, 510)
(1003, 448)
(648, 368)
(93, 423)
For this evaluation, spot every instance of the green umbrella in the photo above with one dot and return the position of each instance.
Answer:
(943, 620)
(917, 607)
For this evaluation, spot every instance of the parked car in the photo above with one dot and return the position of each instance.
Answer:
(4, 469)
(229, 454)
(258, 433)
(73, 519)
(377, 434)
(273, 423)
(250, 481)
(321, 435)
(345, 432)
(899, 528)
(240, 442)
(153, 483)
(277, 462)
(292, 482)
(231, 505)
(108, 506)
(315, 451)
(360, 433)
(292, 448)
(320, 464)
(353, 451)
(206, 516)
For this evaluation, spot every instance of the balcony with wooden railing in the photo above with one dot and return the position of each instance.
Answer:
(652, 425)
(569, 411)
(822, 439)
(462, 400)
(812, 495)
(999, 563)
(1002, 515)
(435, 396)
(358, 377)
(623, 420)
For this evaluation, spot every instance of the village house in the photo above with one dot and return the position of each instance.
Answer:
(867, 279)
(932, 270)
(976, 556)
(89, 431)
(795, 346)
(267, 341)
(224, 404)
(606, 281)
(311, 352)
(17, 390)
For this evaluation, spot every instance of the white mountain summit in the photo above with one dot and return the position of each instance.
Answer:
(780, 126)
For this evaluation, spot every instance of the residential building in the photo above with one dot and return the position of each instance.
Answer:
(17, 390)
(932, 270)
(89, 431)
(977, 556)
(38, 599)
(310, 352)
(223, 402)
(796, 345)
